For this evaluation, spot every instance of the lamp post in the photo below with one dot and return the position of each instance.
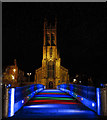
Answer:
(29, 74)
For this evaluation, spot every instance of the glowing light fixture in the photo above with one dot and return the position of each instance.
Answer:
(98, 101)
(22, 101)
(93, 104)
(9, 85)
(67, 96)
(13, 77)
(81, 98)
(102, 85)
(12, 101)
(29, 74)
(72, 111)
(40, 106)
(54, 98)
(74, 80)
(14, 70)
(52, 102)
(49, 90)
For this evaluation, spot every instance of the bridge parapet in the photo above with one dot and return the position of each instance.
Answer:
(92, 97)
(15, 98)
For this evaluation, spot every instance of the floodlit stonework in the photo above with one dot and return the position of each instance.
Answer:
(51, 73)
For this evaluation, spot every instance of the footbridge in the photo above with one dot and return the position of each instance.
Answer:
(68, 101)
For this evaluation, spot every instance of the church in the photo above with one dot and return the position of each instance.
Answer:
(51, 73)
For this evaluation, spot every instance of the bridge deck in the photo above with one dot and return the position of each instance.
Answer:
(52, 103)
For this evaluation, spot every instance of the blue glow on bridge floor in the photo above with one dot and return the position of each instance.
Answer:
(54, 104)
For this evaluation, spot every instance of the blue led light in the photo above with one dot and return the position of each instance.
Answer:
(40, 106)
(49, 90)
(9, 85)
(93, 104)
(72, 111)
(22, 101)
(102, 85)
(98, 101)
(12, 101)
(67, 96)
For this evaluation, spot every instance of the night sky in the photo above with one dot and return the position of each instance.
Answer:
(81, 36)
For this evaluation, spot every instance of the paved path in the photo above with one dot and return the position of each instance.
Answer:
(52, 103)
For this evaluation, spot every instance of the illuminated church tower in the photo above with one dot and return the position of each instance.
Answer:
(51, 73)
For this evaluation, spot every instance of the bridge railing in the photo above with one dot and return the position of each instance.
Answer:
(15, 98)
(92, 97)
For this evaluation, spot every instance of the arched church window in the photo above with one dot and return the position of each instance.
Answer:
(50, 69)
(51, 52)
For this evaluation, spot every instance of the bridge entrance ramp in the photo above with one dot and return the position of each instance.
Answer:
(53, 103)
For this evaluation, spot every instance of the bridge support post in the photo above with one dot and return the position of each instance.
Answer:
(104, 101)
(5, 103)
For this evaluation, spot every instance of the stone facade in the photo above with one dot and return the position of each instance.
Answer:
(51, 73)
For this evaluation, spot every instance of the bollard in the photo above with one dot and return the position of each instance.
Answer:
(5, 103)
(104, 101)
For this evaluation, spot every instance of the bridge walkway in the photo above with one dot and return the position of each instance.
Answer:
(53, 103)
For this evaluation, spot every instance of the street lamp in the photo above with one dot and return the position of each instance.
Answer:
(74, 80)
(79, 81)
(29, 74)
